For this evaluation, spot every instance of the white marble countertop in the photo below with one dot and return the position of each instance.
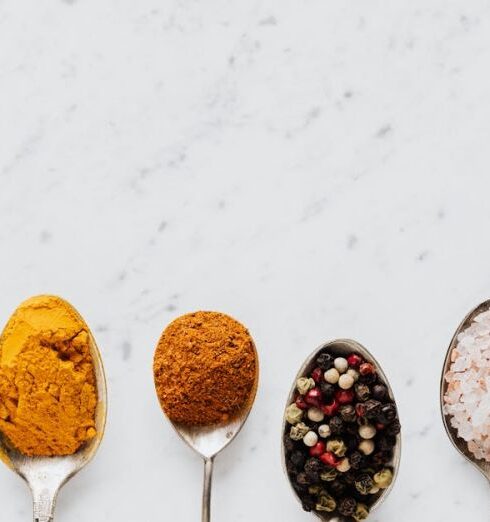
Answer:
(315, 169)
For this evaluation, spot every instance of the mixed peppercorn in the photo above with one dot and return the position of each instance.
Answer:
(341, 431)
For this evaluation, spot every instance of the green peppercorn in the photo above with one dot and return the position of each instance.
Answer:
(347, 506)
(314, 490)
(326, 503)
(293, 414)
(362, 512)
(383, 478)
(329, 474)
(299, 431)
(337, 447)
(364, 483)
(304, 385)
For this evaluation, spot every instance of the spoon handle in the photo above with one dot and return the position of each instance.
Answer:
(206, 491)
(44, 501)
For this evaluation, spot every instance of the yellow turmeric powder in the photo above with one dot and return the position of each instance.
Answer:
(48, 392)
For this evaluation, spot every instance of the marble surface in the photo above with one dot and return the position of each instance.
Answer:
(316, 169)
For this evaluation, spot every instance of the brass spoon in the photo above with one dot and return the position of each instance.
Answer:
(461, 445)
(208, 441)
(342, 348)
(46, 475)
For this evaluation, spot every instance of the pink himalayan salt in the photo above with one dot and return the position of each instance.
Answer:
(467, 398)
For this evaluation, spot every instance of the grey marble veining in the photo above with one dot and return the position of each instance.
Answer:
(316, 169)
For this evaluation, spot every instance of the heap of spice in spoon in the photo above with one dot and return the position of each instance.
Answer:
(48, 393)
(466, 398)
(341, 431)
(206, 373)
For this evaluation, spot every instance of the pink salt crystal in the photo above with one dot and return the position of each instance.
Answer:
(467, 398)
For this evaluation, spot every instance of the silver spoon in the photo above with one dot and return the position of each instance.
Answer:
(341, 348)
(460, 444)
(46, 475)
(208, 441)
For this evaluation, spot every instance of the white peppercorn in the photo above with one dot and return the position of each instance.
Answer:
(310, 439)
(341, 364)
(366, 447)
(315, 414)
(346, 381)
(367, 431)
(332, 376)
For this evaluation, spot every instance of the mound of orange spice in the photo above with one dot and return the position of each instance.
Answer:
(205, 368)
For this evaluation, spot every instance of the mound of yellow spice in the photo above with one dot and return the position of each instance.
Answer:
(48, 392)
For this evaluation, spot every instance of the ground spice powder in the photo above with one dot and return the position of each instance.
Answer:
(48, 392)
(205, 368)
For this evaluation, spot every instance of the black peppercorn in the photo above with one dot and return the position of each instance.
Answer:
(302, 479)
(379, 392)
(313, 426)
(369, 378)
(328, 391)
(348, 478)
(351, 439)
(357, 460)
(291, 468)
(351, 428)
(364, 483)
(336, 425)
(347, 507)
(385, 443)
(288, 443)
(393, 428)
(313, 465)
(362, 392)
(299, 488)
(313, 477)
(308, 502)
(298, 459)
(337, 488)
(387, 413)
(380, 458)
(373, 408)
(325, 361)
(348, 413)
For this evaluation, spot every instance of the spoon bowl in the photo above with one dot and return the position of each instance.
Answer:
(46, 475)
(460, 444)
(342, 348)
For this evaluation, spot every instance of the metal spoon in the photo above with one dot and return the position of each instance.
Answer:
(46, 475)
(341, 348)
(461, 445)
(208, 441)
